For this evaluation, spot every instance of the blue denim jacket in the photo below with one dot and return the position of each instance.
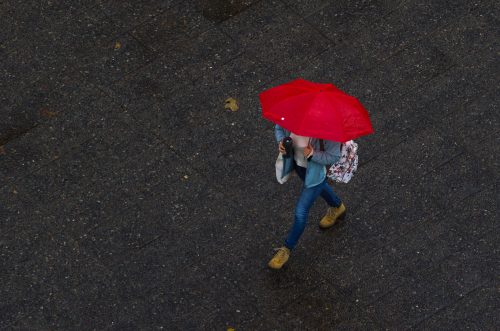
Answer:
(316, 170)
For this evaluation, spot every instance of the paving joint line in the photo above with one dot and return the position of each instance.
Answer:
(417, 40)
(304, 19)
(124, 211)
(425, 82)
(195, 79)
(404, 233)
(159, 52)
(387, 151)
(356, 73)
(438, 265)
(74, 147)
(440, 214)
(89, 184)
(436, 312)
(370, 206)
(287, 73)
(436, 122)
(440, 165)
(43, 165)
(30, 311)
(146, 47)
(32, 84)
(119, 24)
(405, 46)
(240, 12)
(300, 295)
(406, 281)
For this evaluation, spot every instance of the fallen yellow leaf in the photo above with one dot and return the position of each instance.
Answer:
(118, 45)
(232, 104)
(47, 113)
(231, 329)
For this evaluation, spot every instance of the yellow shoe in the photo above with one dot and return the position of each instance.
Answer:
(279, 258)
(332, 215)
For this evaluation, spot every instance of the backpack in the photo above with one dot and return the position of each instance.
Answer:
(343, 170)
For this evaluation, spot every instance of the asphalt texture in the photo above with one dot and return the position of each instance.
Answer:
(131, 199)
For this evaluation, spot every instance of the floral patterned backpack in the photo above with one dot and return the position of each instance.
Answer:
(343, 170)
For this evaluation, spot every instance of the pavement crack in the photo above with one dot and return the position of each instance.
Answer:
(15, 133)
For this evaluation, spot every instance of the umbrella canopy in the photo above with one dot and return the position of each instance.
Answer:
(316, 110)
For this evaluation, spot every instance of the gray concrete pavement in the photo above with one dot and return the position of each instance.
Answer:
(131, 199)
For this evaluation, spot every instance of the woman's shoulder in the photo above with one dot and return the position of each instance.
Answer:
(328, 145)
(326, 142)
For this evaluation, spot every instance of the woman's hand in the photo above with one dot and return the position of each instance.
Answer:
(281, 148)
(308, 150)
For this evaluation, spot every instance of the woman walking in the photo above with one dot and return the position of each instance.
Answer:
(312, 120)
(309, 159)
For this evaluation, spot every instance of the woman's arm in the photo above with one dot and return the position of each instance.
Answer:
(279, 133)
(330, 155)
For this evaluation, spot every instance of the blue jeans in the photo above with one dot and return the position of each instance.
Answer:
(305, 202)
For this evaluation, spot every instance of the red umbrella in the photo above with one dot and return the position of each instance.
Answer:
(316, 110)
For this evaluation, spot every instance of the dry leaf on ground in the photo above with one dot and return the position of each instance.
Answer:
(231, 103)
(47, 113)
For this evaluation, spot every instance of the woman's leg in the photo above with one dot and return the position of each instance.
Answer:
(306, 200)
(336, 210)
(329, 195)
